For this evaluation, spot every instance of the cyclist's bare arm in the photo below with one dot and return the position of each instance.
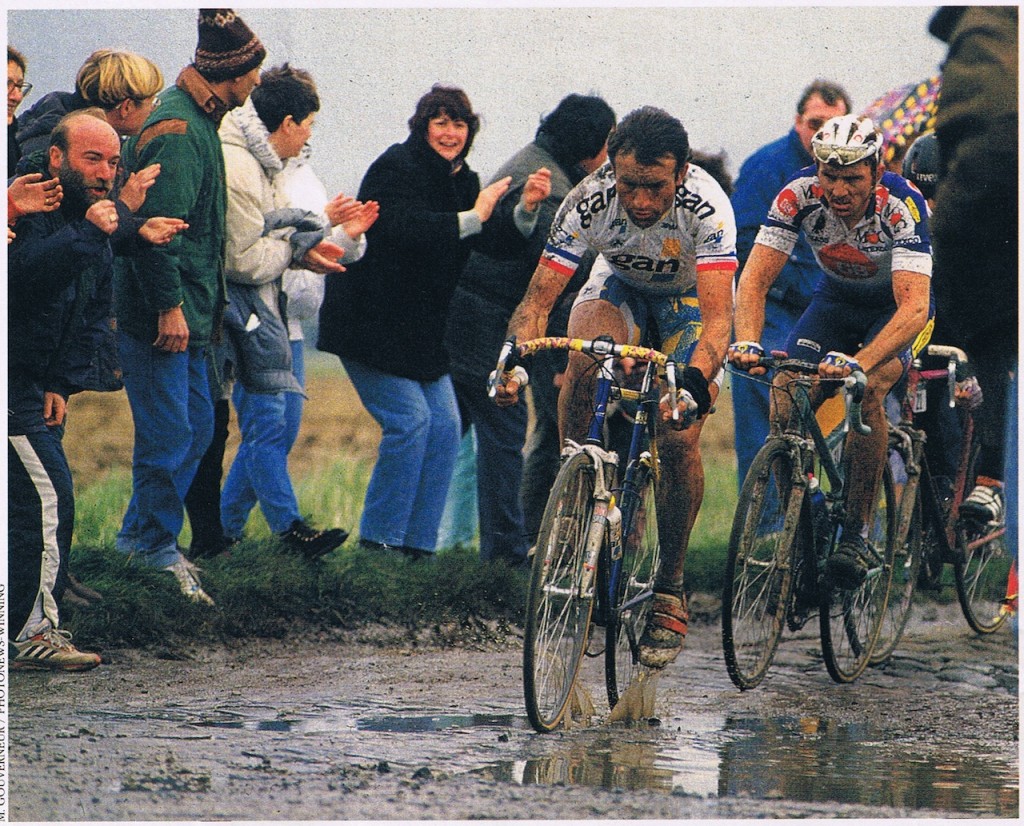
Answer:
(714, 296)
(530, 319)
(911, 291)
(762, 268)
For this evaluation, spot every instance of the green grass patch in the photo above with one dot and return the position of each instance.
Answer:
(262, 590)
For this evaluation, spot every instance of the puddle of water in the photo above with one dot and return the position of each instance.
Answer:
(805, 760)
(799, 759)
(815, 760)
(438, 722)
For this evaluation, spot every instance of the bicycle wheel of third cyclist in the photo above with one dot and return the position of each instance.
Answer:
(758, 573)
(905, 570)
(851, 620)
(557, 615)
(640, 555)
(981, 565)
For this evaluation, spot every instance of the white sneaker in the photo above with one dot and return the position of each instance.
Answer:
(187, 575)
(985, 503)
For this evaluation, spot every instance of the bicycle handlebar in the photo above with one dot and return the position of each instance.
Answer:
(854, 384)
(512, 353)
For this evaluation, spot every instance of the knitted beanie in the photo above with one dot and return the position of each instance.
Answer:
(227, 48)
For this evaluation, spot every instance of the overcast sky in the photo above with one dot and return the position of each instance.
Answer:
(732, 75)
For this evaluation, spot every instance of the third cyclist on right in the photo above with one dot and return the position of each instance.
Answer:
(872, 311)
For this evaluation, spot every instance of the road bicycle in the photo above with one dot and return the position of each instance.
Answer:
(931, 532)
(597, 549)
(788, 520)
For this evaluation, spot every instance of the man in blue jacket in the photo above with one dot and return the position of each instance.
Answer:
(761, 177)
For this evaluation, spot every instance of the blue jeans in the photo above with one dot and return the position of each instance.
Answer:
(169, 395)
(293, 402)
(460, 522)
(415, 460)
(750, 396)
(259, 472)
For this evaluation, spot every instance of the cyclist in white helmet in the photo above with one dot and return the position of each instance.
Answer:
(869, 232)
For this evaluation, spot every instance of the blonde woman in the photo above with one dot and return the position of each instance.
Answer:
(123, 84)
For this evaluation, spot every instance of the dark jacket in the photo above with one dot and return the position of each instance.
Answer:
(59, 334)
(13, 148)
(180, 135)
(490, 288)
(390, 308)
(35, 125)
(761, 178)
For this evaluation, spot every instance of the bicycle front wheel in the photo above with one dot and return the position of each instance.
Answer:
(981, 565)
(635, 587)
(906, 568)
(758, 573)
(851, 620)
(557, 612)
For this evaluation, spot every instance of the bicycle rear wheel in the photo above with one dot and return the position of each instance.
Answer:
(906, 568)
(557, 614)
(981, 565)
(635, 587)
(851, 620)
(758, 573)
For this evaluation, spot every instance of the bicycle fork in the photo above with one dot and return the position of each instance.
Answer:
(606, 520)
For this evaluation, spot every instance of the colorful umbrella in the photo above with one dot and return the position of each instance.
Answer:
(904, 113)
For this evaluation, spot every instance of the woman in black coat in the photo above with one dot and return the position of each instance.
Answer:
(386, 316)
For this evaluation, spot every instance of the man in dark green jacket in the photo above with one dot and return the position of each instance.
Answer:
(169, 300)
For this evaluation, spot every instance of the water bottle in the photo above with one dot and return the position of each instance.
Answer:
(819, 513)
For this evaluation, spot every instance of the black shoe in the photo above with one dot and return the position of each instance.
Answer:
(418, 554)
(848, 565)
(310, 542)
(209, 550)
(381, 547)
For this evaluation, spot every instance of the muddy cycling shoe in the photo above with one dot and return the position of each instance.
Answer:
(665, 631)
(310, 542)
(847, 568)
(985, 504)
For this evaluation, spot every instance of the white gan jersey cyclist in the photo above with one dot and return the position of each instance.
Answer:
(698, 233)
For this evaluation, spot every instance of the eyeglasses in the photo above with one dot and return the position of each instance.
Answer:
(841, 154)
(22, 87)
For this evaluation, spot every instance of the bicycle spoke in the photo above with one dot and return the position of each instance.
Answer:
(758, 571)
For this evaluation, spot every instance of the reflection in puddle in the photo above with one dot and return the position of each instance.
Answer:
(799, 759)
(815, 760)
(805, 760)
(439, 722)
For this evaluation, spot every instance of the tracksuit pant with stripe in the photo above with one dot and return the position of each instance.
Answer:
(40, 520)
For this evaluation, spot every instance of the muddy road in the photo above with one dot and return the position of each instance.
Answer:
(346, 728)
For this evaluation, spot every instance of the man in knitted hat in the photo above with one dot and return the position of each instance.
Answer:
(169, 300)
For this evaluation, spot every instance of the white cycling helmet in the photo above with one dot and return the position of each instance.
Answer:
(846, 140)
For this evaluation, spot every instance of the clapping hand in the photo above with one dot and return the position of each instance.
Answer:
(160, 231)
(133, 193)
(30, 193)
(489, 197)
(323, 258)
(103, 215)
(354, 217)
(537, 188)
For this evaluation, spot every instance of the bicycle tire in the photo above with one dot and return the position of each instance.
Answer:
(759, 567)
(851, 620)
(906, 568)
(641, 554)
(980, 567)
(557, 615)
